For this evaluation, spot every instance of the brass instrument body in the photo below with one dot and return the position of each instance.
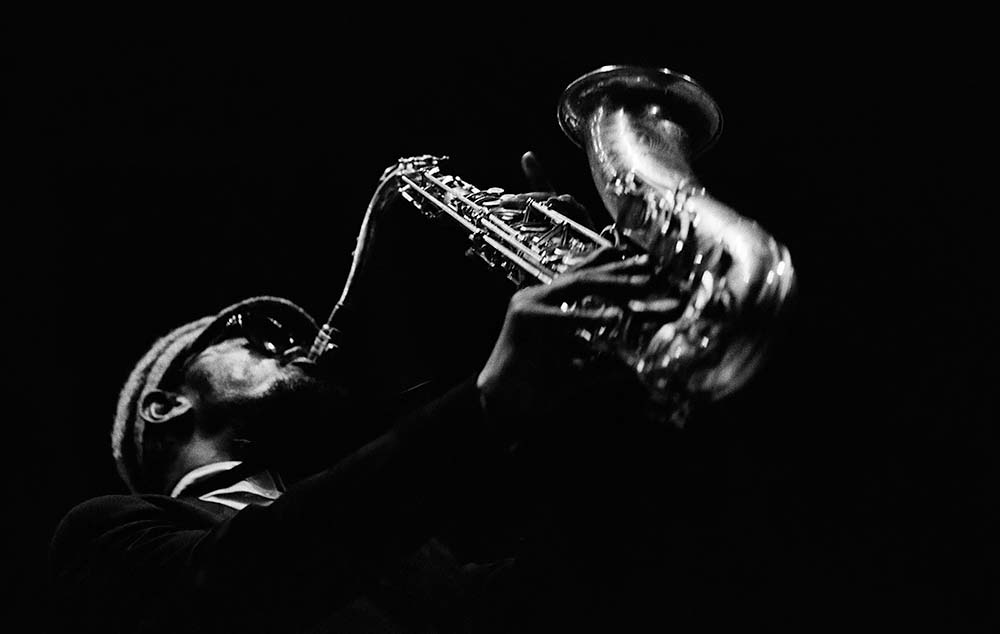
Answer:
(720, 279)
(640, 129)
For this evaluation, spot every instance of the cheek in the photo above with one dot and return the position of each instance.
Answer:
(245, 375)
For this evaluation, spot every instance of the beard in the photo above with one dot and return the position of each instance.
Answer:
(301, 425)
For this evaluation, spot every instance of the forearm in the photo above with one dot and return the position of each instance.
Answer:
(390, 495)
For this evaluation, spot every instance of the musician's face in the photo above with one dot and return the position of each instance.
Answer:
(273, 403)
(234, 371)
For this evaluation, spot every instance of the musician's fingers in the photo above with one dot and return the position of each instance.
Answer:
(655, 307)
(534, 173)
(600, 255)
(579, 285)
(564, 204)
(612, 260)
(519, 201)
(568, 206)
(567, 319)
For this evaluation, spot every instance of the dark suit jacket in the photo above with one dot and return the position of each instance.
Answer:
(350, 550)
(348, 547)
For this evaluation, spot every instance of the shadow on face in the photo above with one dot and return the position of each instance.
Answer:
(274, 411)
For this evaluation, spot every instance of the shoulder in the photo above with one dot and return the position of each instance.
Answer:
(115, 509)
(106, 510)
(117, 515)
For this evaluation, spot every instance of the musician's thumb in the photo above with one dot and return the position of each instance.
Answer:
(533, 172)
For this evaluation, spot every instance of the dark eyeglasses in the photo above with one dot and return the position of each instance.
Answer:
(264, 334)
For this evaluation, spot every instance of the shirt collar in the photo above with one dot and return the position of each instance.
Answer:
(201, 473)
(261, 488)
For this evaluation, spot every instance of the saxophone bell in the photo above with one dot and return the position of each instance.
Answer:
(640, 128)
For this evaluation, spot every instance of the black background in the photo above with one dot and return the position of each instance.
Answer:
(157, 178)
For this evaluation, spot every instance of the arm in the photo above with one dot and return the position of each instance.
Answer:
(327, 539)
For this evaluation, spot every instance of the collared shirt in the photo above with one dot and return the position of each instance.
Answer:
(260, 489)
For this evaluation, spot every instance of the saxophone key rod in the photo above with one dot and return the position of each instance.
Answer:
(560, 218)
(511, 240)
(541, 276)
(536, 268)
(440, 205)
(533, 204)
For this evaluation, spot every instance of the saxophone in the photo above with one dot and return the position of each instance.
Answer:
(720, 280)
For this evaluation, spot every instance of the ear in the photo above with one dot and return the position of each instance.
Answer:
(160, 406)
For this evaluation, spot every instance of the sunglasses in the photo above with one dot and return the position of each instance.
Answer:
(264, 334)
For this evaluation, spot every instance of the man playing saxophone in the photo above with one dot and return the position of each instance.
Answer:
(215, 540)
(270, 495)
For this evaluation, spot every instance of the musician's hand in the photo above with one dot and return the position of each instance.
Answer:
(541, 190)
(534, 354)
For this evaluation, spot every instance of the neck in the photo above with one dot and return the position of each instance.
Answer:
(199, 452)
